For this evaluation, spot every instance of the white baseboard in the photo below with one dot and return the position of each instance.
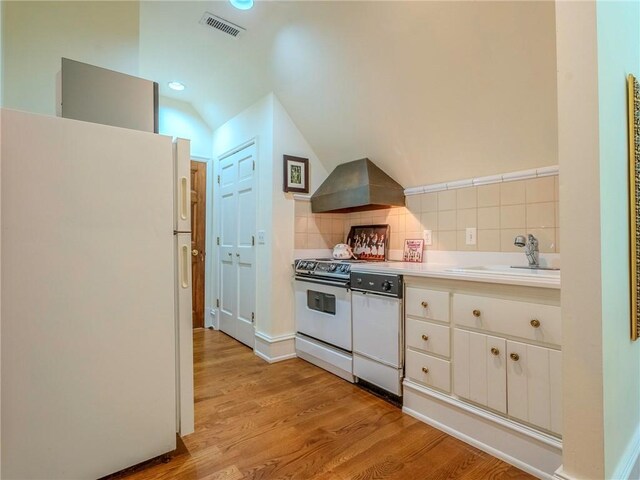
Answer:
(529, 451)
(561, 475)
(629, 466)
(274, 349)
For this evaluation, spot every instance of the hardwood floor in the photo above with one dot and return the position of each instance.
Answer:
(292, 420)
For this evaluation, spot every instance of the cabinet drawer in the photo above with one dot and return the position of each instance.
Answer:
(429, 304)
(427, 336)
(437, 374)
(532, 321)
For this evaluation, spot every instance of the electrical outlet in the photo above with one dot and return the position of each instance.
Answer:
(428, 237)
(471, 236)
(261, 237)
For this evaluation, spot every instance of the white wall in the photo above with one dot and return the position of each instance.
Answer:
(583, 450)
(256, 122)
(597, 45)
(1, 100)
(276, 135)
(287, 140)
(618, 28)
(180, 119)
(37, 34)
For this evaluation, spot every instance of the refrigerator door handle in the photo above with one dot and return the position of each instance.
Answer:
(184, 200)
(186, 258)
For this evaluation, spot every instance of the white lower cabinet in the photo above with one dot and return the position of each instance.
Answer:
(480, 373)
(483, 363)
(534, 385)
(428, 370)
(513, 378)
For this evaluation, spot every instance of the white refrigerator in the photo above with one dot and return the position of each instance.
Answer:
(96, 347)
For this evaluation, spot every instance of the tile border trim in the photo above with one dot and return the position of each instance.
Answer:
(474, 182)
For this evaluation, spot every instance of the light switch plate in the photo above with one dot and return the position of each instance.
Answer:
(471, 237)
(428, 237)
(261, 237)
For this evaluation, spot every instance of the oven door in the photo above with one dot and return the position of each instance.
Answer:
(323, 312)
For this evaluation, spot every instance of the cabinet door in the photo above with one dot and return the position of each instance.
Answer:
(479, 370)
(533, 385)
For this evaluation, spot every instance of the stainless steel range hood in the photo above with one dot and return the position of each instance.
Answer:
(357, 186)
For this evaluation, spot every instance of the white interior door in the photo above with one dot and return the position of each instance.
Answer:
(236, 208)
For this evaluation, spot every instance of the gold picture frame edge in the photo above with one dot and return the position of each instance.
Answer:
(633, 225)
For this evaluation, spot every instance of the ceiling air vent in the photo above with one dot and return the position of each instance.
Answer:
(219, 23)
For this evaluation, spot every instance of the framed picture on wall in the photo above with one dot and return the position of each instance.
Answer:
(413, 250)
(296, 174)
(633, 114)
(369, 242)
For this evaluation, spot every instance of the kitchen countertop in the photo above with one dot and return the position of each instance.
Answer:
(493, 274)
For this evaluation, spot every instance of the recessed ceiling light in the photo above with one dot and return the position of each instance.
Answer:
(242, 4)
(176, 86)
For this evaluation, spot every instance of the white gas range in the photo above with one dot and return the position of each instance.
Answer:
(350, 323)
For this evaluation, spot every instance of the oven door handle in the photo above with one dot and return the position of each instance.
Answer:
(324, 282)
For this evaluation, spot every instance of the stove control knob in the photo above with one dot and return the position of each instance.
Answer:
(386, 285)
(359, 280)
(332, 267)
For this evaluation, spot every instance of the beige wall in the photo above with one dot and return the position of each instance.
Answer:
(36, 35)
(426, 90)
(583, 429)
(499, 212)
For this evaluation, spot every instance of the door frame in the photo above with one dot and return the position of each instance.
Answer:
(215, 290)
(209, 285)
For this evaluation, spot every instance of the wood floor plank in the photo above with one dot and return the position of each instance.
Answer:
(292, 420)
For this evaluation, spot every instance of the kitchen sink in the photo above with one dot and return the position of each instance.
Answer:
(543, 272)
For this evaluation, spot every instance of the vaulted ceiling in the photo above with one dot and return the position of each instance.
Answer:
(430, 91)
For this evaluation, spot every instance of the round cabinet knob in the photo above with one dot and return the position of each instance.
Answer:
(535, 323)
(425, 337)
(477, 313)
(424, 304)
(386, 285)
(515, 357)
(230, 254)
(194, 252)
(425, 370)
(237, 254)
(494, 351)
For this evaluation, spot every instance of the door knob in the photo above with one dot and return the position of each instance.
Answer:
(194, 252)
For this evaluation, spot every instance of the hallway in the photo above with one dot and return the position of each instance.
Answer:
(293, 420)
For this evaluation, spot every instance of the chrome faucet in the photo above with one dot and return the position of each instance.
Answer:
(530, 245)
